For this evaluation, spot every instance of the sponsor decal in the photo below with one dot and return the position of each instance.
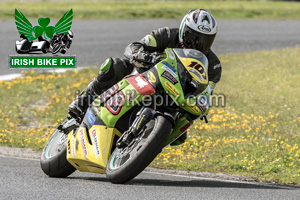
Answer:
(172, 89)
(73, 147)
(141, 82)
(151, 77)
(170, 71)
(115, 103)
(193, 108)
(217, 66)
(95, 142)
(69, 147)
(91, 117)
(171, 55)
(141, 85)
(204, 28)
(166, 64)
(196, 73)
(109, 92)
(137, 128)
(169, 77)
(83, 144)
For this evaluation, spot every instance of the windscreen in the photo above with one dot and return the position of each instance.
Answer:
(188, 85)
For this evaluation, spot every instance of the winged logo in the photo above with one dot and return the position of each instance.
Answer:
(25, 27)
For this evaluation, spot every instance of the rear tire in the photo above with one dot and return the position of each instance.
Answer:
(125, 164)
(54, 161)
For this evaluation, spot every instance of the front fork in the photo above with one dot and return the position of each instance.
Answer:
(142, 118)
(180, 125)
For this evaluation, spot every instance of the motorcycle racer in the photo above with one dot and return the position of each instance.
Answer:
(66, 39)
(197, 31)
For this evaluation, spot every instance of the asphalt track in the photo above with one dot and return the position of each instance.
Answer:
(95, 41)
(22, 178)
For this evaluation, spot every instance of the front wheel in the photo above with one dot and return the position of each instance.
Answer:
(127, 162)
(54, 161)
(56, 48)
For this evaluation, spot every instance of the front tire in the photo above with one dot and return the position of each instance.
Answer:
(56, 48)
(54, 161)
(126, 163)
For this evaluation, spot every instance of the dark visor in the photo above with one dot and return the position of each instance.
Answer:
(199, 41)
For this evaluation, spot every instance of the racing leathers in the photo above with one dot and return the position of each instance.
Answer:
(157, 41)
(140, 54)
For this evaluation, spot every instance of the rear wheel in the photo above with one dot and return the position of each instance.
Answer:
(127, 162)
(54, 156)
(63, 51)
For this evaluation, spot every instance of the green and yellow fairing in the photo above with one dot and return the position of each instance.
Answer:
(89, 150)
(195, 64)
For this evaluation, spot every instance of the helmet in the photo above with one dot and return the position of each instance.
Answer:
(70, 34)
(198, 30)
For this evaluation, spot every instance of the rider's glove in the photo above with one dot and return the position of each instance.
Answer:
(144, 59)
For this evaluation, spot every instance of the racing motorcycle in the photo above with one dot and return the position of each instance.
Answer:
(127, 126)
(60, 43)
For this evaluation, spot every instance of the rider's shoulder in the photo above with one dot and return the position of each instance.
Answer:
(211, 55)
(213, 59)
(166, 31)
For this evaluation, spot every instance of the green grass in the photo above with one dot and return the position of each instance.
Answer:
(152, 9)
(256, 134)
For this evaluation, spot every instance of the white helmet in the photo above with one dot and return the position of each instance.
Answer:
(198, 30)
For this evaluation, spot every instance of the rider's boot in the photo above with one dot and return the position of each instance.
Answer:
(81, 103)
(102, 82)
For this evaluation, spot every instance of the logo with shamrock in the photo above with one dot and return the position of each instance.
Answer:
(25, 27)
